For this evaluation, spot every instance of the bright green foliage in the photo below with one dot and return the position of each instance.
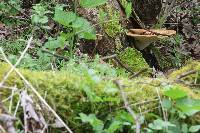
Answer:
(133, 58)
(6, 11)
(175, 93)
(188, 106)
(113, 27)
(82, 88)
(179, 108)
(87, 87)
(117, 122)
(80, 25)
(128, 9)
(53, 43)
(94, 122)
(194, 129)
(64, 18)
(92, 3)
(160, 124)
(39, 14)
(127, 6)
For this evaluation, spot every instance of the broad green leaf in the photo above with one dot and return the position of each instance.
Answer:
(124, 116)
(188, 105)
(64, 18)
(78, 22)
(128, 9)
(35, 19)
(84, 29)
(94, 122)
(184, 128)
(194, 129)
(92, 3)
(115, 125)
(175, 93)
(160, 124)
(167, 104)
(87, 35)
(52, 43)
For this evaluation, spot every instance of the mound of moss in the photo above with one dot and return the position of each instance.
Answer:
(133, 59)
(71, 93)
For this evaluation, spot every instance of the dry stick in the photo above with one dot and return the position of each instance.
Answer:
(138, 73)
(18, 61)
(186, 74)
(35, 91)
(7, 119)
(161, 104)
(17, 106)
(55, 55)
(126, 104)
(122, 65)
(2, 129)
(109, 57)
(11, 101)
(25, 115)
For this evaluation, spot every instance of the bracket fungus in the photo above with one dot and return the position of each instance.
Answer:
(144, 38)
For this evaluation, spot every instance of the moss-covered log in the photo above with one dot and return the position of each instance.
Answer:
(70, 93)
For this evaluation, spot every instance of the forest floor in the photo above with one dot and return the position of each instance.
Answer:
(70, 66)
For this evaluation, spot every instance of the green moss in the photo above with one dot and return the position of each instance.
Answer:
(164, 61)
(113, 25)
(191, 65)
(71, 93)
(133, 58)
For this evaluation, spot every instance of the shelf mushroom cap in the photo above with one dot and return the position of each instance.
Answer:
(144, 38)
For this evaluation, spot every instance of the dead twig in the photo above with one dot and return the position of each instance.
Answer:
(124, 66)
(18, 61)
(128, 108)
(55, 55)
(8, 121)
(139, 73)
(109, 57)
(186, 74)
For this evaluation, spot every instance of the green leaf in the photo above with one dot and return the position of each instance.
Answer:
(167, 104)
(188, 105)
(87, 35)
(94, 122)
(175, 93)
(194, 129)
(128, 9)
(184, 128)
(92, 3)
(115, 125)
(78, 22)
(160, 124)
(53, 43)
(124, 116)
(64, 18)
(84, 29)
